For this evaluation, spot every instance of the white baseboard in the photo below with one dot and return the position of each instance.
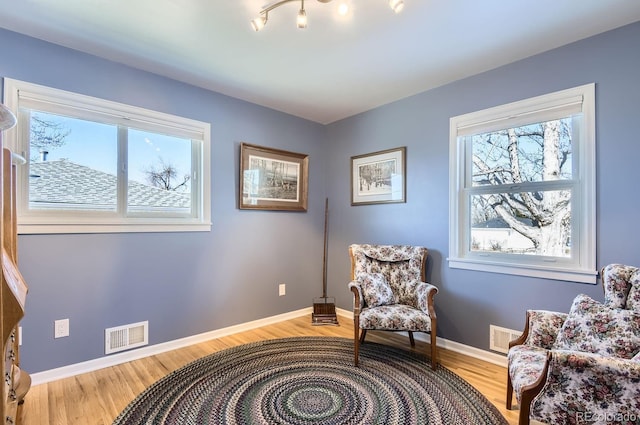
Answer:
(119, 358)
(487, 356)
(467, 350)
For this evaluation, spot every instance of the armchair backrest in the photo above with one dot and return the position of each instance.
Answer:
(402, 265)
(621, 285)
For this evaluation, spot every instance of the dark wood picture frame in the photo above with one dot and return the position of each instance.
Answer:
(379, 177)
(273, 179)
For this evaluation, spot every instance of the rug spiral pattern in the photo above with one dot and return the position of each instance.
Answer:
(310, 380)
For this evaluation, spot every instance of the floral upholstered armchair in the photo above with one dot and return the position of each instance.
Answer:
(390, 292)
(584, 366)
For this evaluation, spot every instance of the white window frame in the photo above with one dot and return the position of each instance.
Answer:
(582, 266)
(91, 108)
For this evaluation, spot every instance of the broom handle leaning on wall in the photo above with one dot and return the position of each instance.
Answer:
(324, 253)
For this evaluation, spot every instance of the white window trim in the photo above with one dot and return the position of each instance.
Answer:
(513, 114)
(87, 222)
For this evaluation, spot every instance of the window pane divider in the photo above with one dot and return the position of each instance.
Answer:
(522, 187)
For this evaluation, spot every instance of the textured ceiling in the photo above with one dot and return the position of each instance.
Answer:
(338, 66)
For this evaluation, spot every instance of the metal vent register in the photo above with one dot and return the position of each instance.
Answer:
(126, 337)
(500, 337)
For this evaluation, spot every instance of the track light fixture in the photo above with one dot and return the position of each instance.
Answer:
(259, 22)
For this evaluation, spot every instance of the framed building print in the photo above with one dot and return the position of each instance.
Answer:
(378, 177)
(273, 179)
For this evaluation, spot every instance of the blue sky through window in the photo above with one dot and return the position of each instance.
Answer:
(95, 145)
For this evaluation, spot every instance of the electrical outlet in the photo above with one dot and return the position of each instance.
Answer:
(19, 335)
(282, 290)
(61, 328)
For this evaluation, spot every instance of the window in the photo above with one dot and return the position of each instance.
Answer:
(522, 187)
(98, 166)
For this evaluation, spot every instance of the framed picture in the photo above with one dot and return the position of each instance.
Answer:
(273, 179)
(378, 177)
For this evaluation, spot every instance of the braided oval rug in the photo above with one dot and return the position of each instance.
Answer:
(310, 380)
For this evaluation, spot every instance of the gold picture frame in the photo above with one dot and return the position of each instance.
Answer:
(273, 179)
(379, 177)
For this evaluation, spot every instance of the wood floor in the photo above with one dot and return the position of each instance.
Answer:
(96, 398)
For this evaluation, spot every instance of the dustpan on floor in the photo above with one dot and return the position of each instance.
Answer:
(324, 308)
(324, 311)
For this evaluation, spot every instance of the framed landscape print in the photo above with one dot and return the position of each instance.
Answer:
(273, 179)
(378, 177)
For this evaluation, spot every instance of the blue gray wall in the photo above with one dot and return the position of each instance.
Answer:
(469, 301)
(182, 283)
(189, 283)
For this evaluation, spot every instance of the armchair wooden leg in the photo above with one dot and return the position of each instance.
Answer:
(356, 339)
(434, 352)
(362, 335)
(411, 340)
(434, 348)
(509, 392)
(525, 407)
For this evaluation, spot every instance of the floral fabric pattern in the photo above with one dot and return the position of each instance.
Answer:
(544, 327)
(401, 267)
(633, 297)
(586, 388)
(397, 317)
(596, 328)
(526, 364)
(616, 279)
(423, 290)
(593, 374)
(375, 289)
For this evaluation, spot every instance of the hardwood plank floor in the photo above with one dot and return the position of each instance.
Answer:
(96, 398)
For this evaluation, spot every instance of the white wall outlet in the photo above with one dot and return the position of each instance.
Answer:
(282, 290)
(61, 328)
(19, 335)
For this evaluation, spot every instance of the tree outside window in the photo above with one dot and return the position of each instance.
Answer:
(510, 218)
(522, 184)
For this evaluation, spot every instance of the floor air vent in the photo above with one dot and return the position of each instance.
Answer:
(126, 337)
(500, 337)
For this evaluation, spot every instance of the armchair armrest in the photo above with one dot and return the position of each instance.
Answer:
(425, 292)
(579, 384)
(358, 299)
(541, 329)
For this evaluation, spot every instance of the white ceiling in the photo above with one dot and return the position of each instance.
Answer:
(335, 68)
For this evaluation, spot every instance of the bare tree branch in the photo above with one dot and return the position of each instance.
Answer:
(164, 175)
(45, 134)
(520, 155)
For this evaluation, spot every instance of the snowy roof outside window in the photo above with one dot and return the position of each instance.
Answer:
(65, 182)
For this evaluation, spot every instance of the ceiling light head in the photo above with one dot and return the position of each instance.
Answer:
(343, 8)
(258, 23)
(396, 5)
(7, 118)
(302, 17)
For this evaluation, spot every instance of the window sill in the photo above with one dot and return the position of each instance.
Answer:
(35, 229)
(557, 273)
